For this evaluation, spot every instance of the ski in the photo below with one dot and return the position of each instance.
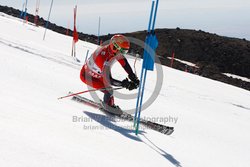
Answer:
(167, 130)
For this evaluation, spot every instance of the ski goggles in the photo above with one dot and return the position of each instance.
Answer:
(122, 50)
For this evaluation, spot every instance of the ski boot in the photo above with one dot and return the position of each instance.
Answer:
(114, 109)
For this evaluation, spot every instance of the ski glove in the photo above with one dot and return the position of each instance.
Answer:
(134, 79)
(125, 83)
(128, 85)
(133, 86)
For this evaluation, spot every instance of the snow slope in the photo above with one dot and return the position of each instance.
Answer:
(212, 118)
(237, 77)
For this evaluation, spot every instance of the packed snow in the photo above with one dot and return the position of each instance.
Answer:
(237, 77)
(211, 119)
(185, 62)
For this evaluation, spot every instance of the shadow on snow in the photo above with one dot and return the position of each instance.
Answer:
(163, 153)
(108, 122)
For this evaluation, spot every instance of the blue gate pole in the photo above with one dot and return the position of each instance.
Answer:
(25, 10)
(140, 106)
(156, 8)
(146, 45)
(21, 14)
(148, 63)
(138, 98)
(47, 23)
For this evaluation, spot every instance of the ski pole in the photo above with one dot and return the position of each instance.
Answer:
(86, 91)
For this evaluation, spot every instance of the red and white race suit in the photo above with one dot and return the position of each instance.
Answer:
(96, 71)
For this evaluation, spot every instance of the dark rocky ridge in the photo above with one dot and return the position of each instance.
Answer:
(213, 54)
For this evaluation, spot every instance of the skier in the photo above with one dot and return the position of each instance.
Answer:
(97, 73)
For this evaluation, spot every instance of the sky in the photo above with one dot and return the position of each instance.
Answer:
(223, 17)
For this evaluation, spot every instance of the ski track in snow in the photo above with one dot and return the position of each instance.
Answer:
(35, 52)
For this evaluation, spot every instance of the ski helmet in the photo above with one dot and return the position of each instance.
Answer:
(119, 43)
